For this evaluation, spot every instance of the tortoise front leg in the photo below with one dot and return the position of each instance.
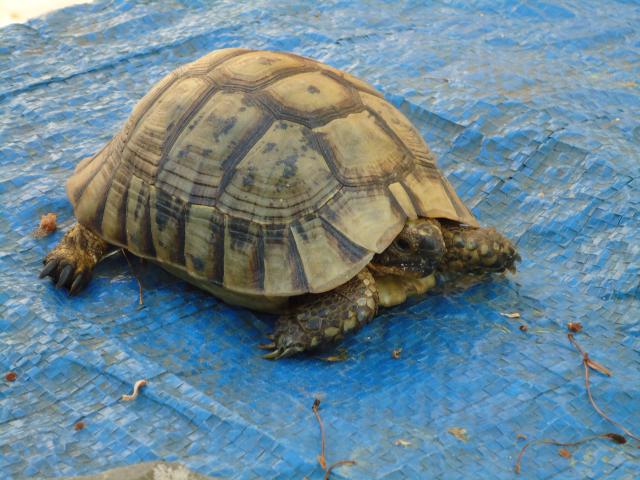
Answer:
(70, 263)
(319, 319)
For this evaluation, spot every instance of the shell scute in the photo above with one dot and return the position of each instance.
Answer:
(283, 176)
(310, 98)
(361, 151)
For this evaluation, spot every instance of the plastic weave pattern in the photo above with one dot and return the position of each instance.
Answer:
(532, 108)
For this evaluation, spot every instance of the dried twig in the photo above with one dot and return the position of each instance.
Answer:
(337, 464)
(136, 389)
(588, 363)
(321, 458)
(614, 437)
(134, 273)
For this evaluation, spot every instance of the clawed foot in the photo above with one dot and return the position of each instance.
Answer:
(65, 273)
(70, 263)
(284, 342)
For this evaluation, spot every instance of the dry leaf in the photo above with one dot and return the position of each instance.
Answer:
(78, 426)
(563, 452)
(598, 367)
(321, 461)
(136, 388)
(510, 315)
(396, 353)
(47, 225)
(11, 376)
(520, 436)
(402, 443)
(523, 328)
(459, 433)
(574, 327)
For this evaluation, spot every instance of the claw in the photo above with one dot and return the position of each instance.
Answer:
(279, 353)
(274, 355)
(48, 268)
(65, 275)
(79, 282)
(267, 346)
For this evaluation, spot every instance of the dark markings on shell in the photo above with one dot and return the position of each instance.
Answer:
(290, 169)
(169, 207)
(349, 250)
(313, 89)
(244, 239)
(299, 277)
(396, 205)
(142, 215)
(461, 210)
(430, 170)
(227, 125)
(259, 263)
(133, 122)
(177, 127)
(268, 147)
(249, 178)
(122, 213)
(391, 134)
(414, 201)
(120, 180)
(198, 264)
(324, 148)
(230, 163)
(216, 227)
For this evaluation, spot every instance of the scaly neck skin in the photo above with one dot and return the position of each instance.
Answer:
(394, 289)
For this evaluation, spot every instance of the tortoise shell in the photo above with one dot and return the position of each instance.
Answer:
(263, 173)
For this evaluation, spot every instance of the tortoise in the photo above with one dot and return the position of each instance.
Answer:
(281, 184)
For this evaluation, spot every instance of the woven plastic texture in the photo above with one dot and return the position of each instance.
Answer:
(532, 108)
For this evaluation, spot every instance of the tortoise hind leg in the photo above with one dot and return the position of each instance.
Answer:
(476, 250)
(70, 263)
(319, 319)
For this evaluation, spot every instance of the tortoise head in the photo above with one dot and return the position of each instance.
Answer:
(415, 252)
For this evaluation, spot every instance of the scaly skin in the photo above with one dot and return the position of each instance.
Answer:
(476, 250)
(325, 318)
(70, 263)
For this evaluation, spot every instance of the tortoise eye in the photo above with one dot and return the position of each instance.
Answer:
(403, 245)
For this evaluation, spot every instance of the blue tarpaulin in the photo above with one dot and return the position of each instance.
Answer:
(532, 109)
